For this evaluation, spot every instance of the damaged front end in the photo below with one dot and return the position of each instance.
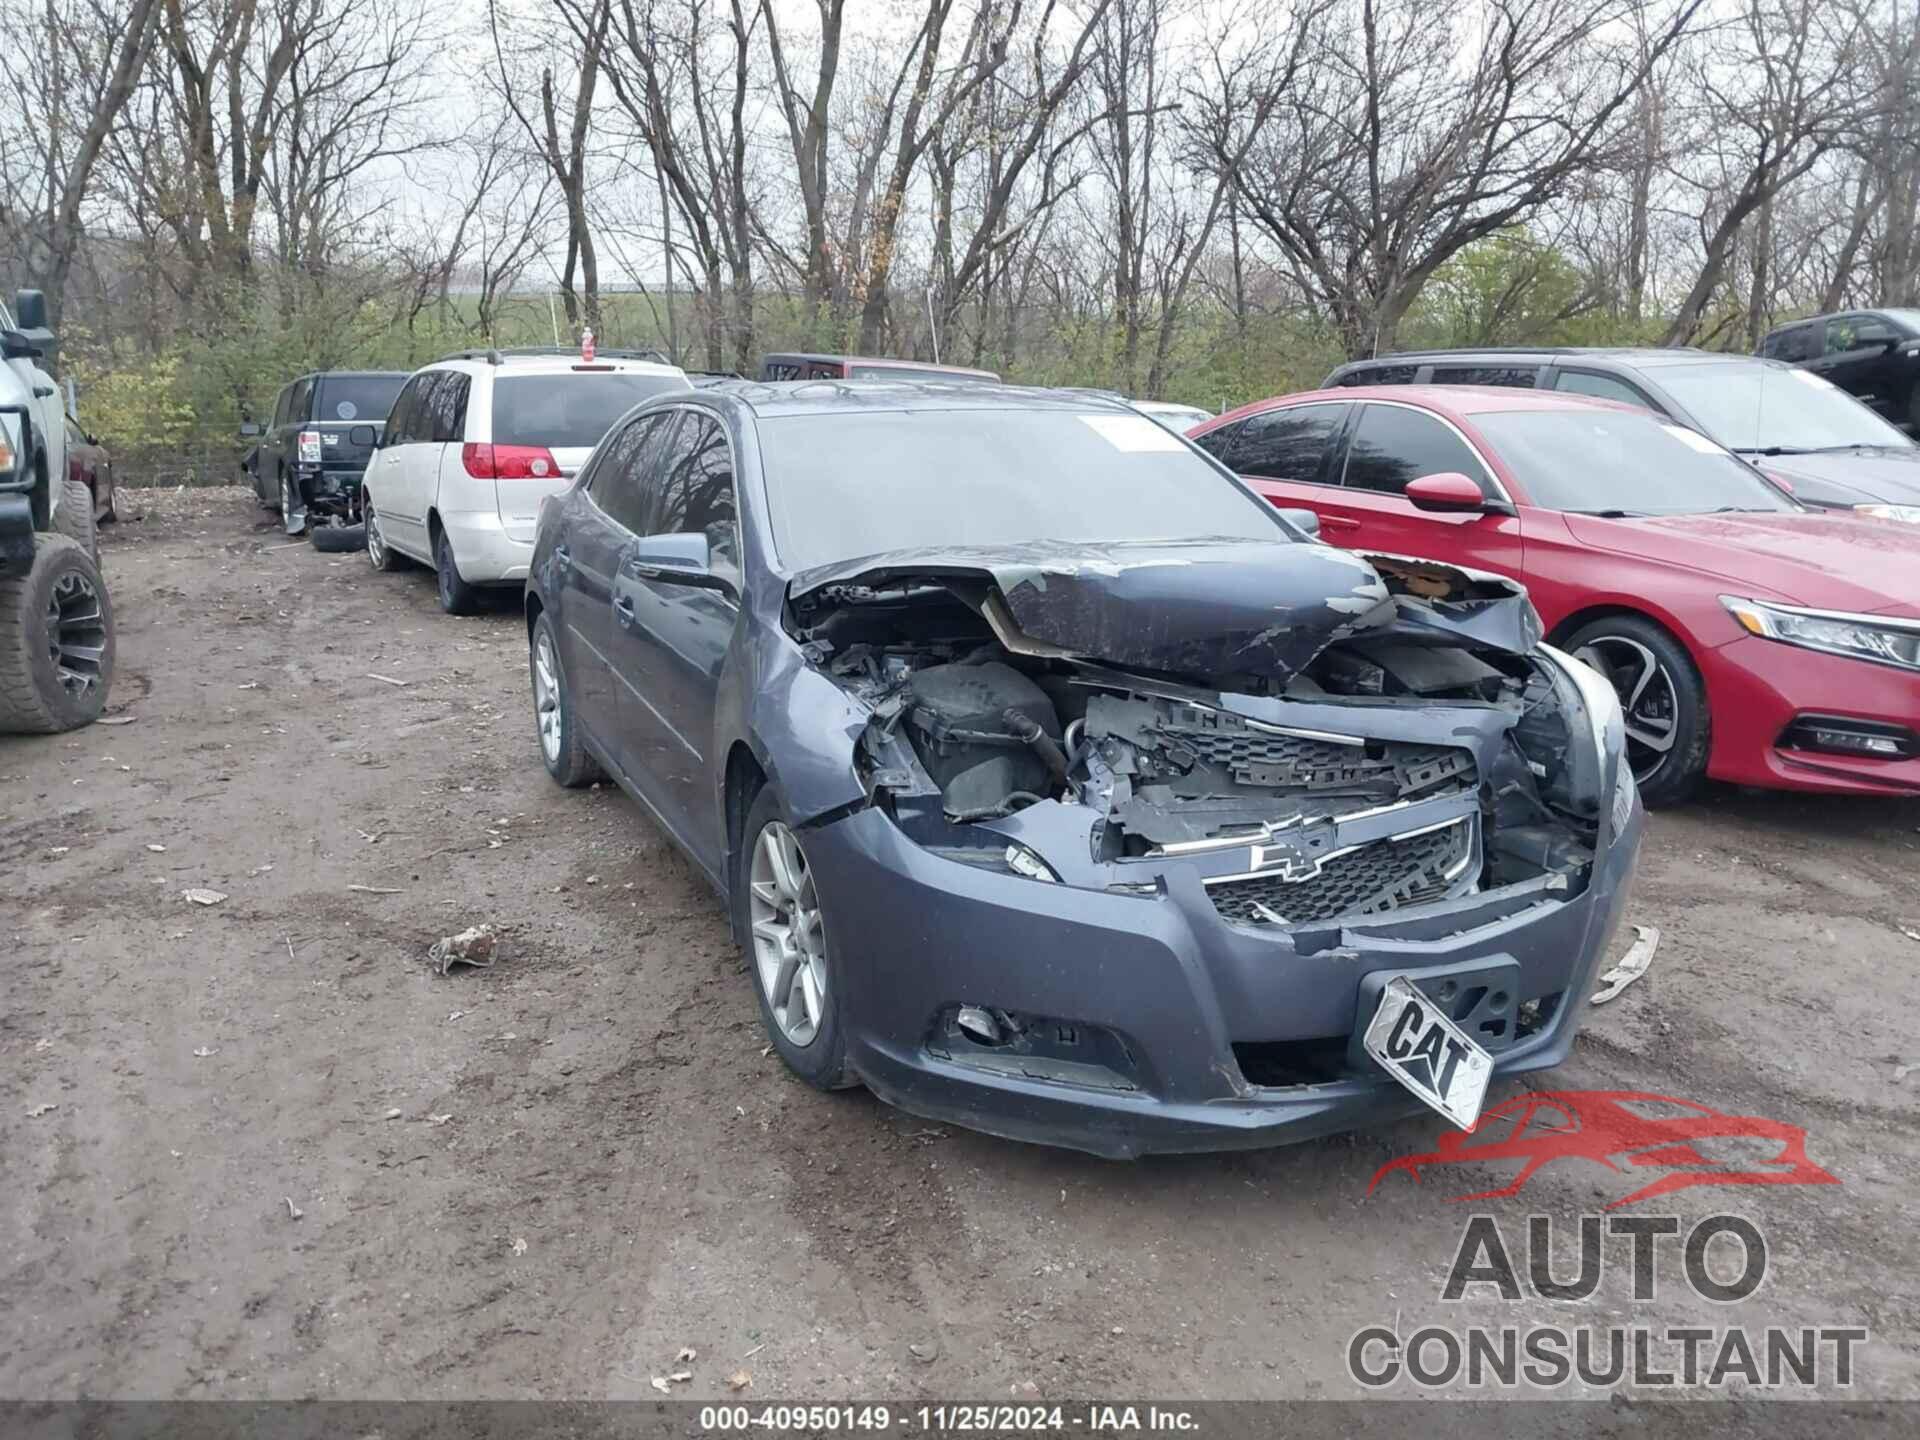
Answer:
(1336, 739)
(1192, 832)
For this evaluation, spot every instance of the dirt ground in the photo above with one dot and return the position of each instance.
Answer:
(284, 1158)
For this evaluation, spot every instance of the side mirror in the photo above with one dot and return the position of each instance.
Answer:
(30, 309)
(1306, 520)
(249, 429)
(1449, 492)
(684, 556)
(364, 436)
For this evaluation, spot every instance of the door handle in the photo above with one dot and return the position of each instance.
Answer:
(623, 610)
(562, 557)
(1338, 522)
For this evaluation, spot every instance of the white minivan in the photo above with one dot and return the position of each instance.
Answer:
(474, 443)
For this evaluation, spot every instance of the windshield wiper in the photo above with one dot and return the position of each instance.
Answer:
(1807, 449)
(1613, 514)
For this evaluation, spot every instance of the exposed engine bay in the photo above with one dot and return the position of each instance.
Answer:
(1398, 743)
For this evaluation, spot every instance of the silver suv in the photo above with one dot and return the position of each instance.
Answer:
(56, 622)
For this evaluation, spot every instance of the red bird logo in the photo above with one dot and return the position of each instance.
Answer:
(1624, 1130)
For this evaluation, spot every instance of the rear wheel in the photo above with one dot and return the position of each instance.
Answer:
(566, 758)
(779, 912)
(457, 597)
(1669, 730)
(56, 641)
(293, 510)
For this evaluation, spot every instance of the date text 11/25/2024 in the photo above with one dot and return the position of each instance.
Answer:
(958, 1418)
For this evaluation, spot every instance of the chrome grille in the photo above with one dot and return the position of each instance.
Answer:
(1384, 875)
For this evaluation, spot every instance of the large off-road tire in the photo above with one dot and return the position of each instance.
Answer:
(56, 641)
(779, 916)
(566, 759)
(1669, 729)
(74, 518)
(457, 597)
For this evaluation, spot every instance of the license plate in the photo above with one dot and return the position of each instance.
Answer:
(1426, 1052)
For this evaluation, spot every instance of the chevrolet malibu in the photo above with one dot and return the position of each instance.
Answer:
(1060, 787)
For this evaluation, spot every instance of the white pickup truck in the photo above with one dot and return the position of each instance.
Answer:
(56, 621)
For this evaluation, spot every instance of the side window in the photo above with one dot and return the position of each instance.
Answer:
(616, 484)
(696, 490)
(1842, 334)
(1380, 375)
(299, 401)
(823, 371)
(1524, 377)
(1289, 444)
(1221, 443)
(280, 406)
(419, 427)
(1794, 344)
(400, 416)
(446, 409)
(1393, 445)
(1601, 387)
(781, 370)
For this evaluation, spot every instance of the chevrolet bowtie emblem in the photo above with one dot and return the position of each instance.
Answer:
(1286, 863)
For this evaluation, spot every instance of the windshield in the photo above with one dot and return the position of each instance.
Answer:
(366, 398)
(845, 485)
(569, 411)
(1774, 407)
(1599, 462)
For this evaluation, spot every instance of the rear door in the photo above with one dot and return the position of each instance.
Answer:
(1855, 358)
(671, 633)
(601, 529)
(1389, 446)
(1286, 455)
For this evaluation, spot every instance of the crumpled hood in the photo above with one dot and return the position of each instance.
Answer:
(1214, 609)
(1834, 562)
(1850, 477)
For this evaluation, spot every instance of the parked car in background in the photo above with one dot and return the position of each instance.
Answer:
(1062, 789)
(89, 464)
(1175, 417)
(864, 367)
(1873, 355)
(1826, 447)
(475, 442)
(306, 460)
(1749, 638)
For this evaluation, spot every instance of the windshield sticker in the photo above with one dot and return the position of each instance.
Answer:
(1693, 440)
(1132, 434)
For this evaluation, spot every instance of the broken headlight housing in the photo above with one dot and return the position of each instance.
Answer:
(1878, 638)
(1013, 859)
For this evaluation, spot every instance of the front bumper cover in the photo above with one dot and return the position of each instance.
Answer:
(1179, 986)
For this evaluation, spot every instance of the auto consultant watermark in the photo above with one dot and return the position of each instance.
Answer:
(1652, 1145)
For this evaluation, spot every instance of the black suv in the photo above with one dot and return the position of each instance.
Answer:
(305, 460)
(1820, 443)
(1874, 354)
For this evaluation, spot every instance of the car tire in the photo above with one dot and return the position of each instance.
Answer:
(49, 687)
(288, 493)
(74, 519)
(457, 597)
(380, 555)
(566, 758)
(337, 539)
(1662, 696)
(111, 514)
(799, 993)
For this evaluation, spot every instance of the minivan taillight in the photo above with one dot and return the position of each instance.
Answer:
(509, 462)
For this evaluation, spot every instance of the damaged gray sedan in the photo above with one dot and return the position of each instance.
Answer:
(1059, 786)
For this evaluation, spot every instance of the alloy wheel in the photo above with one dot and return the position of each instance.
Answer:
(546, 698)
(789, 934)
(443, 571)
(1648, 700)
(376, 542)
(76, 633)
(289, 507)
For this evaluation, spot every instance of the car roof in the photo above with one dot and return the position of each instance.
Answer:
(1629, 356)
(511, 364)
(1453, 401)
(816, 397)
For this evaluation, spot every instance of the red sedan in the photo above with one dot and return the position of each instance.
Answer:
(1750, 639)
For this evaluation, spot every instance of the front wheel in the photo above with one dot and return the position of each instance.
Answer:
(779, 912)
(1669, 729)
(457, 597)
(56, 641)
(380, 555)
